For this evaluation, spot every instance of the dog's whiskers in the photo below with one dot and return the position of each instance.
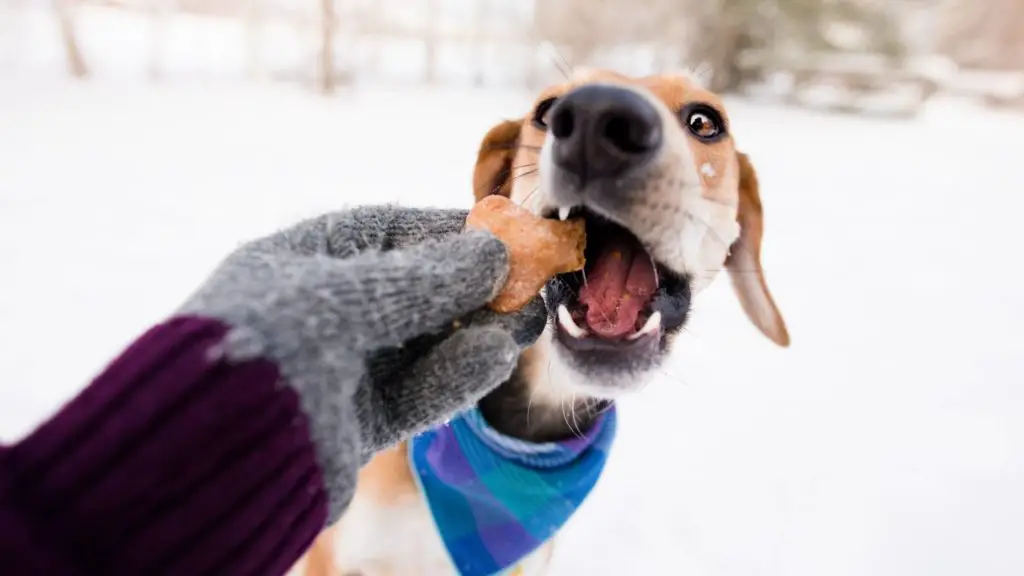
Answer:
(490, 147)
(528, 196)
(572, 407)
(531, 164)
(513, 179)
(560, 62)
(529, 400)
(561, 406)
(524, 174)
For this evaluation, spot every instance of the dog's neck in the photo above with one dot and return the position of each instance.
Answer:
(509, 409)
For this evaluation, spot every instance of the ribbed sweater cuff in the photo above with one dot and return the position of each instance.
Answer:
(173, 461)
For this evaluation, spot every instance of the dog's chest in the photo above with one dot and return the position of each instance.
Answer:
(394, 539)
(400, 539)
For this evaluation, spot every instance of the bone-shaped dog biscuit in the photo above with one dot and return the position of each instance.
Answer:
(539, 248)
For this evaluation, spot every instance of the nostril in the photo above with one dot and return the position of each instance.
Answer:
(631, 135)
(563, 122)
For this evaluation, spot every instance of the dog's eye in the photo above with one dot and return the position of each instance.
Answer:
(541, 113)
(703, 122)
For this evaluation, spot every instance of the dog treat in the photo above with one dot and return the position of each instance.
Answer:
(539, 248)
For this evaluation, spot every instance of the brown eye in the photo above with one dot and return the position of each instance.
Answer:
(542, 112)
(703, 122)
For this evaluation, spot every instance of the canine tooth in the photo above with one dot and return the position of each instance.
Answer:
(565, 319)
(563, 212)
(653, 323)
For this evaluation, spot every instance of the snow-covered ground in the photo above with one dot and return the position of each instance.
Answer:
(888, 440)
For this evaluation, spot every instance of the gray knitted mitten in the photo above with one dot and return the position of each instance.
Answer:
(375, 316)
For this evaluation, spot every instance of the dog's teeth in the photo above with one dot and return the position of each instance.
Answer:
(563, 212)
(653, 324)
(565, 319)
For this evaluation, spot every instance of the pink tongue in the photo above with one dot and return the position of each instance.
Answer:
(619, 284)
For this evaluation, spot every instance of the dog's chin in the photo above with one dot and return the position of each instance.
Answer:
(588, 373)
(611, 333)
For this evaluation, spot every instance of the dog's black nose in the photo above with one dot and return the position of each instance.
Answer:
(602, 131)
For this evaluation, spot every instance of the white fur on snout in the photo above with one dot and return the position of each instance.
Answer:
(528, 190)
(544, 198)
(706, 240)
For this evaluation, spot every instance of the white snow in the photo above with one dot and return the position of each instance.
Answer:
(888, 440)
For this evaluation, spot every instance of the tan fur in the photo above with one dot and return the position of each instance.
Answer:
(491, 175)
(387, 477)
(744, 263)
(319, 560)
(713, 184)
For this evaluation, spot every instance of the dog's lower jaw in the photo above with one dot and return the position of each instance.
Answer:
(541, 402)
(550, 397)
(598, 384)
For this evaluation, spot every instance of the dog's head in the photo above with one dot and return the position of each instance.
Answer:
(651, 166)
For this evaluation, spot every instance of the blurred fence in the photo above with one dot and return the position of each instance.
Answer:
(857, 55)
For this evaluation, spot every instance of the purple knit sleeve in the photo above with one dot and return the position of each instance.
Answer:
(173, 461)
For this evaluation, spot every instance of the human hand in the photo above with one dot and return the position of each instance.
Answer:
(375, 316)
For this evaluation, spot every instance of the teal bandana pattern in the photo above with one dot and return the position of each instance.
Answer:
(495, 499)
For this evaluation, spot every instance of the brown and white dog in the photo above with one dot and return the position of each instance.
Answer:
(651, 166)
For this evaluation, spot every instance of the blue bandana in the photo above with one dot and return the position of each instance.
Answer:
(495, 499)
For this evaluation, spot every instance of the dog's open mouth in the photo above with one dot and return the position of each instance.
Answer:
(622, 298)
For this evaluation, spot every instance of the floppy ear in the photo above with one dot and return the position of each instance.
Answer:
(744, 261)
(494, 160)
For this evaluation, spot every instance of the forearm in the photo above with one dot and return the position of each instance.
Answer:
(174, 460)
(223, 441)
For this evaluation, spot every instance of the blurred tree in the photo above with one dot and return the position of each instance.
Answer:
(432, 41)
(327, 26)
(585, 28)
(986, 34)
(69, 36)
(253, 16)
(788, 35)
(779, 33)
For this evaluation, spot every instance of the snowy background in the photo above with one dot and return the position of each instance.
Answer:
(888, 440)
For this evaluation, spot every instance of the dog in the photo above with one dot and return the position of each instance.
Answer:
(651, 166)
